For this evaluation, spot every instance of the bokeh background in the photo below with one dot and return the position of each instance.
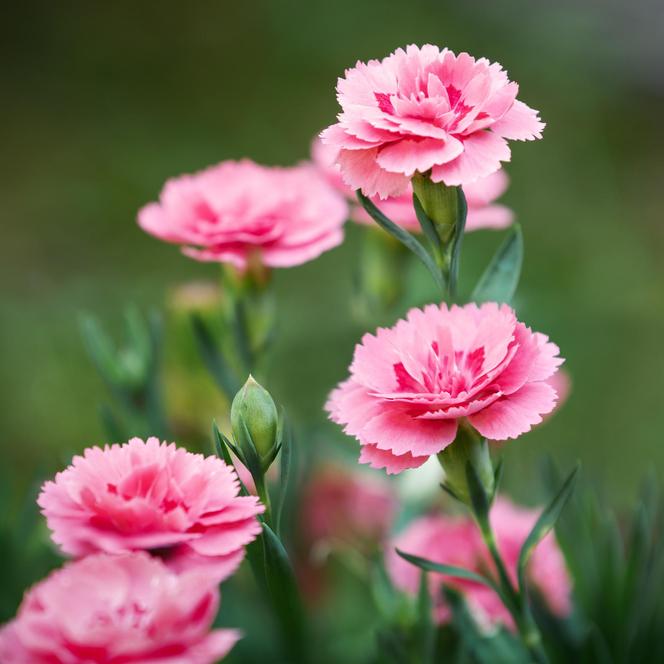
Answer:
(101, 102)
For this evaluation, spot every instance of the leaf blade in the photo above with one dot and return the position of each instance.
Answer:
(499, 281)
(403, 236)
(545, 524)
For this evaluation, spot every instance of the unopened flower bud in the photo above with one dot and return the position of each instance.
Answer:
(255, 406)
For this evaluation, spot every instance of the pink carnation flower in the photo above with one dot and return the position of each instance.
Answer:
(231, 211)
(152, 496)
(411, 384)
(109, 609)
(423, 110)
(340, 506)
(483, 211)
(456, 541)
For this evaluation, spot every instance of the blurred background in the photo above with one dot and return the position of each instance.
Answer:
(101, 102)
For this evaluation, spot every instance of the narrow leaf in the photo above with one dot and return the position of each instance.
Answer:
(457, 239)
(213, 359)
(545, 524)
(284, 469)
(449, 570)
(284, 594)
(497, 647)
(426, 633)
(501, 277)
(403, 236)
(498, 478)
(222, 445)
(427, 226)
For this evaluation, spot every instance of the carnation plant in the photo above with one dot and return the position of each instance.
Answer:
(454, 571)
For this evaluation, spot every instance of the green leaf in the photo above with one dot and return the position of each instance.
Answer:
(213, 359)
(498, 648)
(498, 478)
(501, 277)
(449, 570)
(250, 456)
(426, 632)
(545, 524)
(284, 595)
(222, 445)
(403, 236)
(285, 468)
(426, 224)
(457, 239)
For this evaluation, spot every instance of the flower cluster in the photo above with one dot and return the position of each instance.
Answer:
(111, 508)
(456, 541)
(411, 385)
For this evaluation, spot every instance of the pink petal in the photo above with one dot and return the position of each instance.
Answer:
(409, 156)
(516, 414)
(392, 463)
(520, 123)
(483, 152)
(400, 433)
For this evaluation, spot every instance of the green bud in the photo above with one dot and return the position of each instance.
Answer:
(440, 203)
(255, 406)
(468, 447)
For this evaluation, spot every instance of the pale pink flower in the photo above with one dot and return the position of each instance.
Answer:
(235, 210)
(107, 609)
(344, 507)
(152, 496)
(411, 384)
(422, 110)
(483, 211)
(456, 541)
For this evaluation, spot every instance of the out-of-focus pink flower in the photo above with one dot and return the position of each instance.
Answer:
(346, 507)
(456, 541)
(237, 209)
(483, 211)
(156, 497)
(125, 608)
(444, 540)
(423, 109)
(410, 385)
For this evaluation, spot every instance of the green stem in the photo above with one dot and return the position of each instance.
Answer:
(515, 601)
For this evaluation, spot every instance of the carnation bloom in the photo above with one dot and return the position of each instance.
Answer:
(422, 110)
(237, 209)
(340, 506)
(483, 211)
(456, 541)
(107, 609)
(153, 496)
(410, 385)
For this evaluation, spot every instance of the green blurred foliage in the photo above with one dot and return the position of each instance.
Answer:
(103, 101)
